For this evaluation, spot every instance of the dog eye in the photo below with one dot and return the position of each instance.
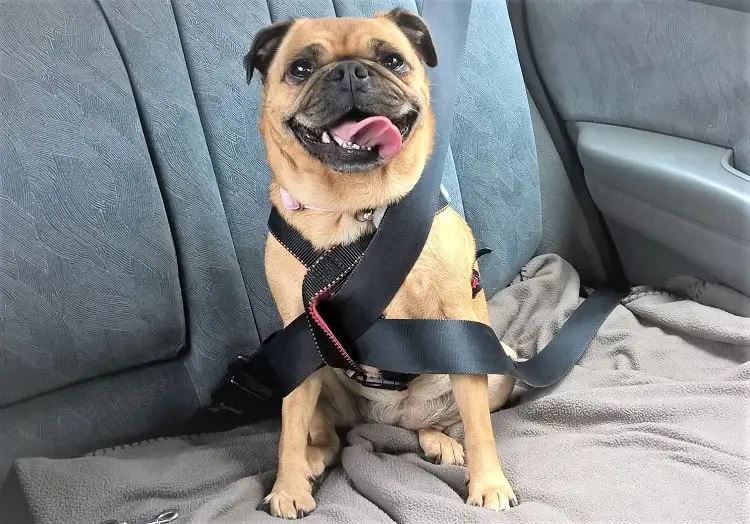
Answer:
(393, 62)
(301, 69)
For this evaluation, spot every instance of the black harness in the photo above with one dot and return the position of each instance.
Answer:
(326, 271)
(347, 288)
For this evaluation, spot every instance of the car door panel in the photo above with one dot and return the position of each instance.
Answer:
(683, 196)
(655, 96)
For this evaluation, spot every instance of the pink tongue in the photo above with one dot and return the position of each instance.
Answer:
(374, 131)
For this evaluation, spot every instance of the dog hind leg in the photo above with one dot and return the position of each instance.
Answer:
(324, 444)
(441, 448)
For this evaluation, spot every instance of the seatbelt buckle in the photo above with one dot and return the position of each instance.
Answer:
(238, 383)
(376, 381)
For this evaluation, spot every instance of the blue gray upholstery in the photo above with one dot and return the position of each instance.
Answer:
(677, 68)
(133, 203)
(90, 280)
(564, 227)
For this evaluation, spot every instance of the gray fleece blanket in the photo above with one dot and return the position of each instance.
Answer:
(651, 426)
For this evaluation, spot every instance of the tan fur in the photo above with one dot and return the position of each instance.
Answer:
(438, 286)
(311, 181)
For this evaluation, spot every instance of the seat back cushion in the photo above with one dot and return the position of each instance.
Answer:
(89, 280)
(121, 299)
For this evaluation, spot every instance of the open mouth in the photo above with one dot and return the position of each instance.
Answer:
(356, 142)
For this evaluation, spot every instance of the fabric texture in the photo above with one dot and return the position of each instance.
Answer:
(564, 227)
(88, 270)
(652, 420)
(121, 197)
(219, 316)
(686, 73)
(133, 203)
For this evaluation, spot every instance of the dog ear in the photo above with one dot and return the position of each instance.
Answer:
(265, 45)
(417, 32)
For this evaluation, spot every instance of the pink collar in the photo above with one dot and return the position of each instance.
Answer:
(293, 204)
(376, 215)
(367, 215)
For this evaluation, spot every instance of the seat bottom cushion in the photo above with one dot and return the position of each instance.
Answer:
(648, 423)
(96, 413)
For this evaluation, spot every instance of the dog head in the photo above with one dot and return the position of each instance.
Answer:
(345, 113)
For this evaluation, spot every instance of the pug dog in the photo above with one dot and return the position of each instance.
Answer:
(346, 120)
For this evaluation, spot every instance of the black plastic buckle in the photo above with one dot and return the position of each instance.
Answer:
(376, 381)
(238, 383)
(246, 382)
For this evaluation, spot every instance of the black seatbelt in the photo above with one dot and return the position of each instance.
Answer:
(429, 346)
(287, 357)
(347, 288)
(405, 226)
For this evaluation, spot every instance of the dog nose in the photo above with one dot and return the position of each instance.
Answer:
(349, 72)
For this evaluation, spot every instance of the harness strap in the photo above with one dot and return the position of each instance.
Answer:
(327, 271)
(323, 278)
(292, 241)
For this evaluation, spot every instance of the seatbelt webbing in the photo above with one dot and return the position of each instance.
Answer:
(442, 346)
(405, 226)
(571, 341)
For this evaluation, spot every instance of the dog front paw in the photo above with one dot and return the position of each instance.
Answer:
(290, 499)
(492, 491)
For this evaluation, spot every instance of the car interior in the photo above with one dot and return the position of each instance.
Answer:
(593, 143)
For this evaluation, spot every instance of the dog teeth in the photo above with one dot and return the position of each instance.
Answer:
(326, 138)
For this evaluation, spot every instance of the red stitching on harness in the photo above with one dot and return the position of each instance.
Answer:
(327, 330)
(318, 318)
(476, 283)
